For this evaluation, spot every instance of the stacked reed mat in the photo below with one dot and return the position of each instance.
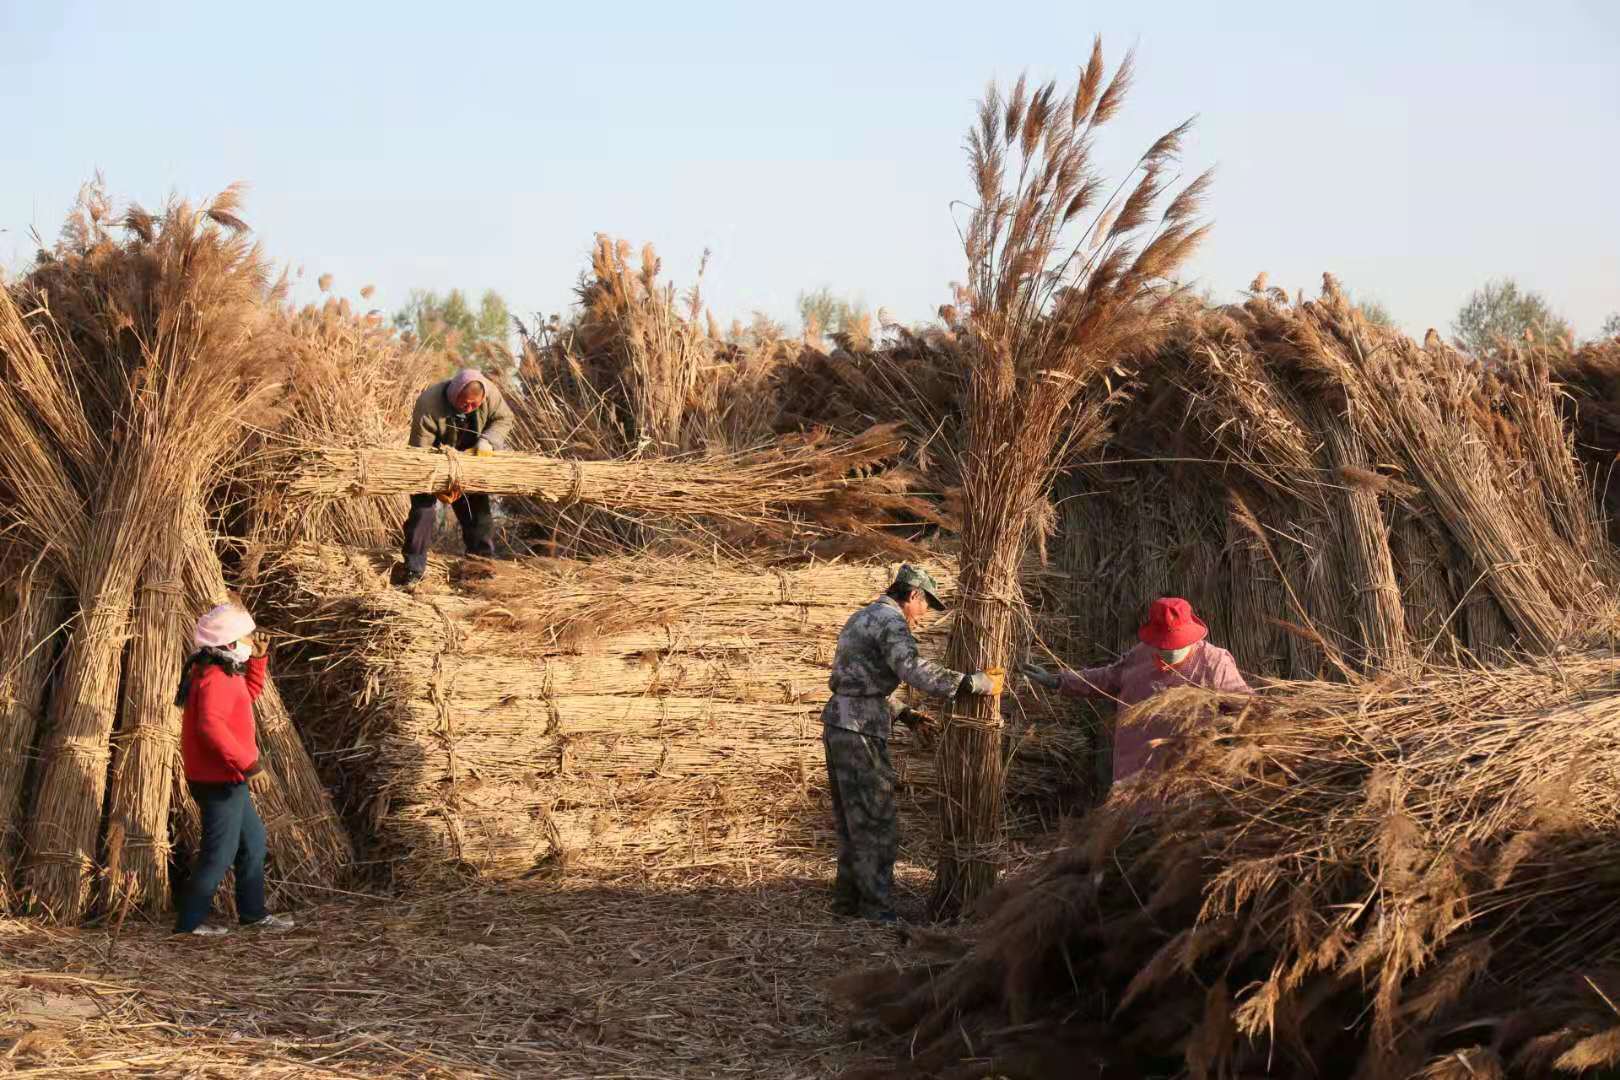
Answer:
(1412, 877)
(644, 714)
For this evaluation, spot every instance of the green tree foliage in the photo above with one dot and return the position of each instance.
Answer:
(1611, 327)
(826, 313)
(1503, 313)
(469, 336)
(1376, 313)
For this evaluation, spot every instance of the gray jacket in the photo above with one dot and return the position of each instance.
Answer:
(435, 422)
(876, 653)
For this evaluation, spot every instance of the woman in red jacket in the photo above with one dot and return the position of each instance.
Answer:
(218, 687)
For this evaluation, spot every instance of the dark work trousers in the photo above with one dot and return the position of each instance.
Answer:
(477, 529)
(861, 779)
(232, 835)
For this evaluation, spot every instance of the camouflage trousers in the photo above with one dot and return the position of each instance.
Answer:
(861, 779)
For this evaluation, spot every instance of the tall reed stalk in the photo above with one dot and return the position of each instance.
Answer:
(1064, 275)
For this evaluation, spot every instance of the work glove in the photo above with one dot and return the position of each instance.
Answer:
(483, 449)
(987, 683)
(1041, 677)
(260, 644)
(449, 494)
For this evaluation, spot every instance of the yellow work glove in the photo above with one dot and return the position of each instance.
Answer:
(483, 449)
(998, 679)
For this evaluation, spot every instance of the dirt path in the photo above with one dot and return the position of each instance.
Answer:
(547, 979)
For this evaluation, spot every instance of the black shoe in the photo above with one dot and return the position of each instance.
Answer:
(843, 905)
(410, 582)
(886, 917)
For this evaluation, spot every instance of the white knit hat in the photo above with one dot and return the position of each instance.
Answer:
(223, 625)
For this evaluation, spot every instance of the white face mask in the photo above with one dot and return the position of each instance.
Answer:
(1175, 656)
(241, 652)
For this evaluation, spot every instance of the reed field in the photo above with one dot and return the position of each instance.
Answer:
(565, 812)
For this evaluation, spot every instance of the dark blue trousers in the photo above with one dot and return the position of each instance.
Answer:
(232, 835)
(477, 528)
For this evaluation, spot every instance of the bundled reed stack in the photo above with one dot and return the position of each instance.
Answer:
(1048, 308)
(134, 365)
(641, 372)
(642, 715)
(1389, 503)
(1407, 878)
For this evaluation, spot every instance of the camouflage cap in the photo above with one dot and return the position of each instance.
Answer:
(915, 577)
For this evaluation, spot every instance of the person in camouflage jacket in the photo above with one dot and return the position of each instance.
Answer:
(876, 653)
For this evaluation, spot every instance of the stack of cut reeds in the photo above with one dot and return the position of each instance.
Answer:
(639, 711)
(1335, 500)
(1591, 374)
(132, 351)
(1413, 877)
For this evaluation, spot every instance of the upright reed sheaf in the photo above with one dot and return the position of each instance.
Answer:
(135, 351)
(1064, 277)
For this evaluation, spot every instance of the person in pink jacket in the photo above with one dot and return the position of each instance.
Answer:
(1173, 652)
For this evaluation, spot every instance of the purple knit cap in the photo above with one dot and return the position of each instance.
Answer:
(222, 626)
(465, 378)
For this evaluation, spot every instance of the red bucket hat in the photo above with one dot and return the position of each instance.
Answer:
(1171, 624)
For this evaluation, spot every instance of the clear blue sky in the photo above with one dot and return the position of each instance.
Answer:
(1414, 149)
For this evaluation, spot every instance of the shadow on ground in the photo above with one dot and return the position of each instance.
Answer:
(576, 977)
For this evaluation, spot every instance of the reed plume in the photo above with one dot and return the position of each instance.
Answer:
(1062, 280)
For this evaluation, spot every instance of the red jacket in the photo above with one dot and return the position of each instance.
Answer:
(217, 740)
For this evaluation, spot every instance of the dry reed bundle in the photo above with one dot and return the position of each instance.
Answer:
(1046, 312)
(811, 486)
(31, 612)
(659, 344)
(666, 710)
(1432, 614)
(136, 361)
(147, 744)
(164, 327)
(1297, 414)
(635, 373)
(1590, 406)
(1347, 880)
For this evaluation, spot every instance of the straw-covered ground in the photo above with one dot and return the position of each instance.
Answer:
(587, 976)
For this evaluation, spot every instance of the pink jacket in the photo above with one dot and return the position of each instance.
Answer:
(1140, 674)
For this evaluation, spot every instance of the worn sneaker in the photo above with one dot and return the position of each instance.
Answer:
(209, 930)
(271, 923)
(411, 583)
